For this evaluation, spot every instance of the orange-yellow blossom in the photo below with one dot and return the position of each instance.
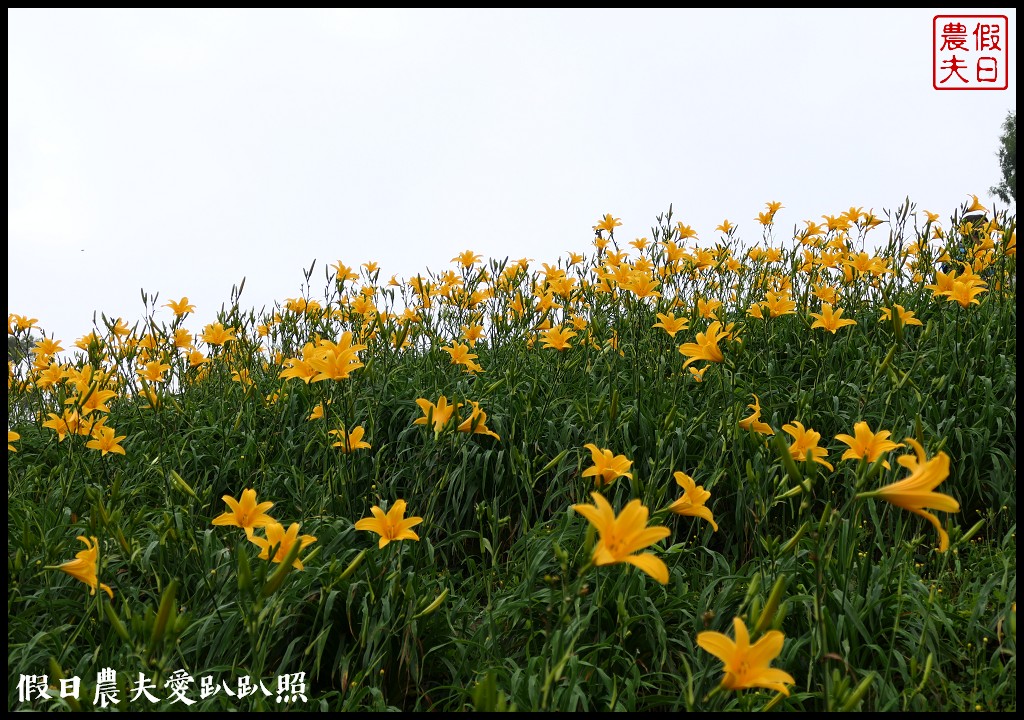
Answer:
(917, 492)
(246, 514)
(607, 466)
(283, 540)
(693, 499)
(349, 441)
(461, 355)
(671, 324)
(805, 439)
(437, 415)
(105, 441)
(180, 307)
(746, 665)
(905, 317)
(623, 535)
(85, 566)
(477, 423)
(557, 338)
(753, 421)
(391, 526)
(706, 347)
(216, 334)
(830, 319)
(868, 445)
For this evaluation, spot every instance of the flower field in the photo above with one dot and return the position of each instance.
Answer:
(661, 473)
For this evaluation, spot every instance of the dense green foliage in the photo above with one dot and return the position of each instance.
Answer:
(1006, 190)
(489, 609)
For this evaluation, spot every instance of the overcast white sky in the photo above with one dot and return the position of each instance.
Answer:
(178, 151)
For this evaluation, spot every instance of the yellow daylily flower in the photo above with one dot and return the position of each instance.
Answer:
(283, 540)
(779, 304)
(976, 205)
(557, 338)
(391, 526)
(671, 324)
(336, 361)
(868, 445)
(916, 492)
(467, 258)
(685, 231)
(300, 368)
(608, 224)
(437, 415)
(472, 333)
(96, 400)
(624, 535)
(693, 499)
(19, 322)
(350, 441)
(943, 283)
(753, 421)
(826, 293)
(246, 514)
(642, 286)
(105, 441)
(180, 307)
(964, 293)
(607, 466)
(805, 439)
(706, 347)
(707, 308)
(119, 329)
(746, 665)
(85, 566)
(196, 358)
(47, 347)
(68, 424)
(153, 371)
(343, 272)
(217, 334)
(830, 319)
(905, 317)
(477, 423)
(461, 355)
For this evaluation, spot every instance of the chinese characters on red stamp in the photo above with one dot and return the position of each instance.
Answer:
(970, 52)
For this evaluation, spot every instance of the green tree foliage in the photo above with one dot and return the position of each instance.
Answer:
(1007, 189)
